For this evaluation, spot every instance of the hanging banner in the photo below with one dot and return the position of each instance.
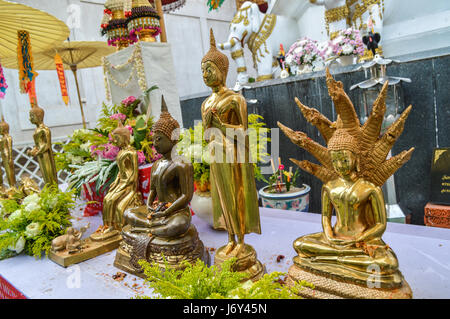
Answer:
(32, 93)
(3, 85)
(62, 78)
(25, 62)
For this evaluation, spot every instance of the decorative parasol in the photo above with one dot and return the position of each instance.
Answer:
(170, 5)
(45, 30)
(74, 55)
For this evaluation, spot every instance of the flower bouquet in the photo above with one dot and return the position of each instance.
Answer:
(347, 45)
(305, 56)
(93, 178)
(29, 224)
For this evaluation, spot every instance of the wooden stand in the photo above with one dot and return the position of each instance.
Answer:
(437, 215)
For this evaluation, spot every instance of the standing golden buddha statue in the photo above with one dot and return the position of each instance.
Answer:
(6, 152)
(124, 192)
(43, 150)
(233, 189)
(349, 259)
(162, 228)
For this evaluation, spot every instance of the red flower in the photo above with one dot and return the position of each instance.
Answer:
(281, 167)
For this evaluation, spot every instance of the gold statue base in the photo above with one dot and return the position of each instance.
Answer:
(246, 262)
(189, 248)
(90, 248)
(328, 288)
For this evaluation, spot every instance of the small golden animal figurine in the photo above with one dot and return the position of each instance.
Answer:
(350, 258)
(7, 153)
(43, 150)
(233, 188)
(124, 191)
(163, 227)
(71, 241)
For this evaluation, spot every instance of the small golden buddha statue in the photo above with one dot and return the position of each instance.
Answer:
(124, 192)
(163, 226)
(43, 150)
(233, 188)
(354, 167)
(6, 152)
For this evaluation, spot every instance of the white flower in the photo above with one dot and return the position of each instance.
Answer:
(85, 147)
(289, 59)
(298, 50)
(18, 246)
(77, 160)
(17, 214)
(132, 139)
(31, 207)
(347, 49)
(284, 74)
(32, 230)
(33, 198)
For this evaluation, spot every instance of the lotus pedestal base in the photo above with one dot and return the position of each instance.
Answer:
(328, 288)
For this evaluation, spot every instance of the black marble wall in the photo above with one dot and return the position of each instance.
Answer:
(427, 126)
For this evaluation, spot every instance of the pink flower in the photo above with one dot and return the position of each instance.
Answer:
(118, 116)
(110, 151)
(129, 100)
(129, 129)
(281, 167)
(141, 158)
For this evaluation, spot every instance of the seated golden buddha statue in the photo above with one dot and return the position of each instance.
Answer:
(124, 192)
(162, 228)
(354, 167)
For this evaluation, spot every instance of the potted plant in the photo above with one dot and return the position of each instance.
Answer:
(347, 46)
(282, 192)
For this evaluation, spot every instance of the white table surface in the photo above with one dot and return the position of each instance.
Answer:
(423, 253)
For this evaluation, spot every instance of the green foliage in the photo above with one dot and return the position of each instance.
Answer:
(76, 151)
(198, 281)
(258, 150)
(103, 172)
(276, 180)
(48, 212)
(194, 147)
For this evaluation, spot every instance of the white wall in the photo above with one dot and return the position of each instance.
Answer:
(410, 26)
(187, 31)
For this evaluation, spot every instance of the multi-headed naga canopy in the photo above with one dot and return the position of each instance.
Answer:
(348, 134)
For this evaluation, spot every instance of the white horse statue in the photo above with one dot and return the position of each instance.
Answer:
(263, 33)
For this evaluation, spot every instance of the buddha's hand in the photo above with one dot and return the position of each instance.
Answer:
(32, 152)
(341, 242)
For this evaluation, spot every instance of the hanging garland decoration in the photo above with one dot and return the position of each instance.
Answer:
(62, 78)
(3, 85)
(137, 67)
(27, 75)
(214, 4)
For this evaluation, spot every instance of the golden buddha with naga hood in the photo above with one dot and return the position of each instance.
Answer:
(351, 254)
